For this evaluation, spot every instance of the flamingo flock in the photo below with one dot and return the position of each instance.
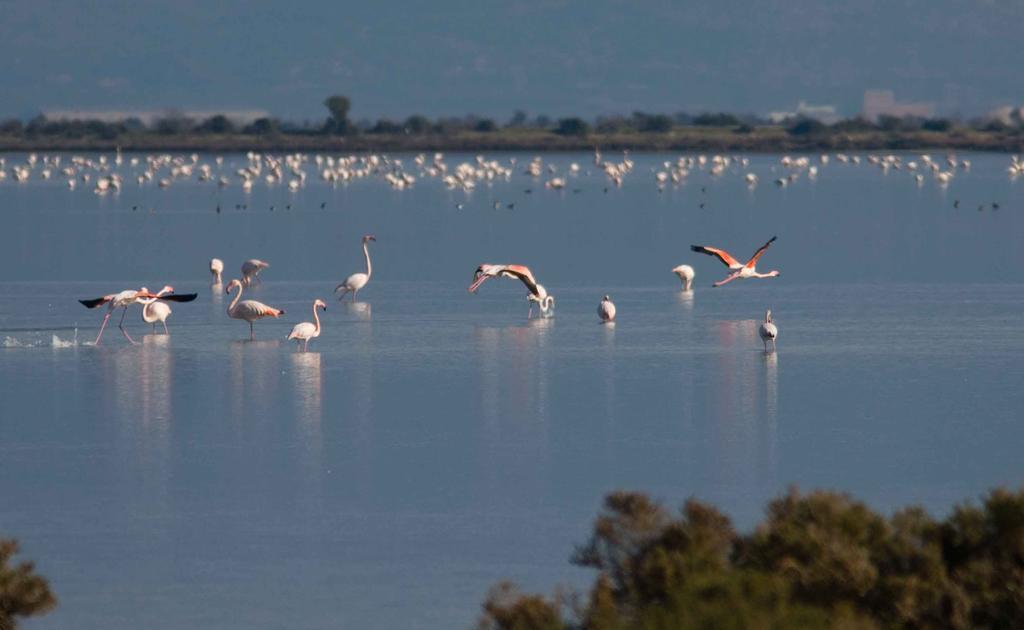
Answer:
(155, 308)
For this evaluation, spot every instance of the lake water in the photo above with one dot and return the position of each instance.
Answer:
(433, 442)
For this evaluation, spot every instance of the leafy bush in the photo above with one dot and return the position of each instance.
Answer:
(820, 560)
(23, 593)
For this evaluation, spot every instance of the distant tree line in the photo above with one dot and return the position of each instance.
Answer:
(818, 560)
(339, 123)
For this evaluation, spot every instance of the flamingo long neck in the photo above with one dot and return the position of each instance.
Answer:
(238, 296)
(316, 319)
(366, 254)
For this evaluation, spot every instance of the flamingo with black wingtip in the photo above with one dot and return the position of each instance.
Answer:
(537, 292)
(126, 298)
(739, 270)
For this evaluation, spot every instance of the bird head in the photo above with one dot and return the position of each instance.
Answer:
(231, 285)
(482, 273)
(369, 237)
(320, 304)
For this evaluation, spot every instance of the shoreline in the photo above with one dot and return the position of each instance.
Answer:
(763, 140)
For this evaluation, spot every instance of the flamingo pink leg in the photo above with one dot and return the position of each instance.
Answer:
(727, 280)
(103, 327)
(252, 333)
(121, 326)
(165, 328)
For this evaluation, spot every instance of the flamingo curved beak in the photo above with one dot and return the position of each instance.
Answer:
(477, 282)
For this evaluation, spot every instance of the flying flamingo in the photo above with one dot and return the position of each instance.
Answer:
(686, 275)
(124, 299)
(768, 331)
(249, 310)
(537, 292)
(748, 270)
(358, 280)
(216, 268)
(250, 269)
(606, 310)
(154, 310)
(305, 331)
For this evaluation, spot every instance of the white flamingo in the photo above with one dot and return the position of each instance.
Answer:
(537, 293)
(305, 331)
(739, 270)
(124, 299)
(606, 310)
(250, 269)
(686, 275)
(154, 310)
(249, 310)
(768, 331)
(216, 268)
(358, 280)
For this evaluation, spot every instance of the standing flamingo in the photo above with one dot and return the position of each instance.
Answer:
(124, 299)
(216, 268)
(249, 310)
(606, 310)
(250, 269)
(686, 276)
(358, 280)
(768, 331)
(305, 331)
(154, 310)
(748, 270)
(537, 292)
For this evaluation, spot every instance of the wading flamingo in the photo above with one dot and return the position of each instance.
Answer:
(305, 331)
(250, 269)
(537, 292)
(216, 268)
(748, 270)
(358, 280)
(686, 275)
(606, 310)
(249, 310)
(768, 331)
(154, 310)
(124, 299)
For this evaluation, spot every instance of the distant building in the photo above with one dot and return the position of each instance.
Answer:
(883, 103)
(237, 117)
(822, 113)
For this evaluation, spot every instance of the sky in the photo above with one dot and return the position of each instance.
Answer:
(559, 58)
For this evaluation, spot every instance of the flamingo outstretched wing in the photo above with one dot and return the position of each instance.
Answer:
(523, 273)
(753, 259)
(96, 301)
(721, 254)
(183, 297)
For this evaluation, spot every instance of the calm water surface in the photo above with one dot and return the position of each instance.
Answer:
(433, 442)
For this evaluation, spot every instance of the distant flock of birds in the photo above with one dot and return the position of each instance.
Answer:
(292, 170)
(155, 308)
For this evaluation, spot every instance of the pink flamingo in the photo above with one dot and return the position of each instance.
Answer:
(747, 270)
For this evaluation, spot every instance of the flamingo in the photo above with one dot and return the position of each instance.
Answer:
(250, 269)
(216, 268)
(606, 310)
(305, 331)
(358, 280)
(153, 310)
(748, 270)
(249, 310)
(124, 299)
(537, 292)
(686, 276)
(768, 331)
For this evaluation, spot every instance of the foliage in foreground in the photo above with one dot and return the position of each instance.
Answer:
(818, 560)
(23, 593)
